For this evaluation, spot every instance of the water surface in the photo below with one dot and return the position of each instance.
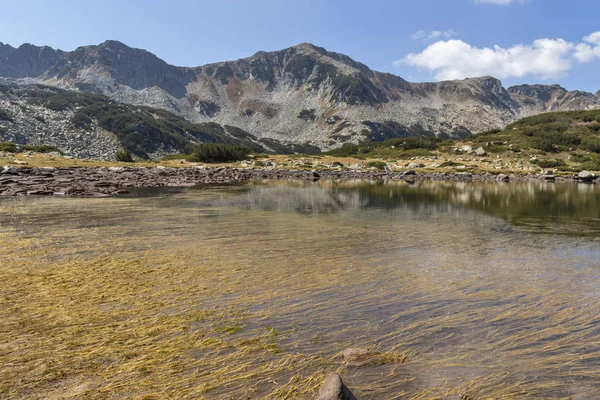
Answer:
(490, 289)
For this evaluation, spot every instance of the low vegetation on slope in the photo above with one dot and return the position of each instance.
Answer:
(568, 141)
(144, 131)
(552, 132)
(141, 130)
(402, 148)
(215, 152)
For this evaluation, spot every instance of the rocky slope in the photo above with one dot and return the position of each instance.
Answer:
(303, 94)
(535, 99)
(89, 125)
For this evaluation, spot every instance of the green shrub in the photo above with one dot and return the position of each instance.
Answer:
(592, 165)
(5, 116)
(215, 152)
(347, 150)
(551, 163)
(579, 157)
(411, 143)
(490, 132)
(544, 144)
(124, 156)
(379, 165)
(44, 148)
(179, 156)
(450, 164)
(591, 143)
(496, 149)
(594, 127)
(413, 153)
(81, 120)
(8, 147)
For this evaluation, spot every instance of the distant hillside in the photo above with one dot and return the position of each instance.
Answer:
(94, 126)
(551, 132)
(300, 95)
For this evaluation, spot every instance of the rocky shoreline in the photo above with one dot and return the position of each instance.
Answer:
(113, 181)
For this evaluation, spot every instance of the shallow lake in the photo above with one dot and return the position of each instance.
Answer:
(490, 290)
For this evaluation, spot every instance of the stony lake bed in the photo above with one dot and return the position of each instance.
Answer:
(54, 174)
(254, 290)
(114, 181)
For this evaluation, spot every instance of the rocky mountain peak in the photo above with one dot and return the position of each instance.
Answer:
(541, 92)
(543, 98)
(301, 94)
(113, 62)
(116, 45)
(27, 60)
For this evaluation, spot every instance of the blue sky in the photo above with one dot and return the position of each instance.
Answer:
(538, 41)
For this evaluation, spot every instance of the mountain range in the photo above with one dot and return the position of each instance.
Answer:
(301, 95)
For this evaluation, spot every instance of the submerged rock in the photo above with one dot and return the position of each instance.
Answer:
(334, 389)
(357, 357)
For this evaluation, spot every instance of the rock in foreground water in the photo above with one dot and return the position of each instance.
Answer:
(334, 389)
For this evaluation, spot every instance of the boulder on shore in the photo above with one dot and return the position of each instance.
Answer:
(586, 176)
(415, 165)
(480, 152)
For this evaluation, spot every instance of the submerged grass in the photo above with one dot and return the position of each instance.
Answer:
(142, 298)
(124, 327)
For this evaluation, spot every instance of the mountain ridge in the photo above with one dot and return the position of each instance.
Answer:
(301, 94)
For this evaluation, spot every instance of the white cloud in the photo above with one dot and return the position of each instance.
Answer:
(593, 38)
(433, 35)
(586, 52)
(544, 58)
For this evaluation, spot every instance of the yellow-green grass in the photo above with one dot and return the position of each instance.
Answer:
(507, 163)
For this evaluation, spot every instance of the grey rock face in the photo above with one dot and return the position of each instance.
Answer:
(27, 60)
(533, 99)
